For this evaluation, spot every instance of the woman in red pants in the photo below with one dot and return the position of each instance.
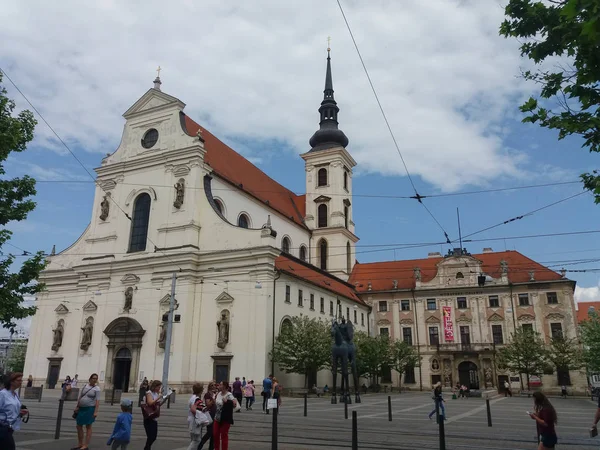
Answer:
(224, 417)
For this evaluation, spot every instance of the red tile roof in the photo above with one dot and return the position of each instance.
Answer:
(582, 310)
(382, 274)
(233, 167)
(311, 274)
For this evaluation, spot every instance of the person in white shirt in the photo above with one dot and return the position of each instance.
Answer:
(11, 410)
(74, 381)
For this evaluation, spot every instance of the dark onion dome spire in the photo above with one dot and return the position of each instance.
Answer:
(328, 135)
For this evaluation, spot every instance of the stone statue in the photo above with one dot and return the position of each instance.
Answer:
(58, 332)
(435, 365)
(417, 271)
(179, 192)
(104, 208)
(223, 328)
(88, 330)
(447, 380)
(488, 376)
(504, 266)
(162, 337)
(128, 299)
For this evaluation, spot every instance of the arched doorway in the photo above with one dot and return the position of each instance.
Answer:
(468, 374)
(123, 358)
(122, 369)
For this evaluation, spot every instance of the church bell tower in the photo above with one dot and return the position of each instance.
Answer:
(328, 168)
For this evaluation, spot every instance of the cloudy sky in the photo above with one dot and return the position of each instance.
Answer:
(253, 74)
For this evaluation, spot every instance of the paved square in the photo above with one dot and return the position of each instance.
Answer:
(326, 428)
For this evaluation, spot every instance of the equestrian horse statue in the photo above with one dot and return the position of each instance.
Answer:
(344, 352)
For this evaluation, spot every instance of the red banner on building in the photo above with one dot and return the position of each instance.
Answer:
(448, 328)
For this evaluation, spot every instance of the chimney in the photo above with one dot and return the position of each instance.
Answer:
(488, 250)
(434, 255)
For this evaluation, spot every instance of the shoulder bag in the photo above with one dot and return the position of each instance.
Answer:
(78, 400)
(151, 411)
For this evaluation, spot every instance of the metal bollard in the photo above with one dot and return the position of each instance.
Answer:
(59, 419)
(274, 430)
(440, 420)
(345, 410)
(354, 431)
(389, 408)
(41, 391)
(305, 403)
(489, 412)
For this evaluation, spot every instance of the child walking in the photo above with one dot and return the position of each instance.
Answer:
(121, 434)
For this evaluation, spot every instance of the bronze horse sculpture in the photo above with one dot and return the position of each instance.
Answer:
(343, 350)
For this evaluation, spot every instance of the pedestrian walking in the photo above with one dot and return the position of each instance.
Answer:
(244, 382)
(211, 407)
(438, 402)
(224, 417)
(86, 411)
(237, 391)
(545, 417)
(563, 391)
(249, 395)
(121, 435)
(66, 387)
(267, 385)
(151, 412)
(11, 410)
(507, 390)
(276, 392)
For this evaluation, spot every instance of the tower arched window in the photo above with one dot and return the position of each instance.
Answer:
(303, 253)
(346, 218)
(243, 221)
(139, 223)
(323, 254)
(348, 258)
(345, 180)
(322, 177)
(322, 213)
(285, 245)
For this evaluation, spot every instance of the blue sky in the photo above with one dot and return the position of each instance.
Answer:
(253, 75)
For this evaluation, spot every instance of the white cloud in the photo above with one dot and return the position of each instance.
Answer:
(587, 294)
(256, 71)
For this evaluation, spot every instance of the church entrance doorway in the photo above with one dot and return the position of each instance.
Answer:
(123, 359)
(468, 375)
(122, 369)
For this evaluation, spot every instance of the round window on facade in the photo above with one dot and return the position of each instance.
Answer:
(150, 138)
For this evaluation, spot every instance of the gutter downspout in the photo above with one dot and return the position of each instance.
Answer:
(273, 334)
(417, 336)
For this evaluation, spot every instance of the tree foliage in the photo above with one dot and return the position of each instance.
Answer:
(303, 347)
(16, 361)
(404, 357)
(567, 30)
(373, 353)
(565, 354)
(525, 353)
(590, 337)
(15, 203)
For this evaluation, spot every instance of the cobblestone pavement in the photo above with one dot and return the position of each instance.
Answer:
(326, 428)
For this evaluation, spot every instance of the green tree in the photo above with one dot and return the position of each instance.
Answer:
(590, 338)
(303, 347)
(404, 356)
(565, 354)
(15, 203)
(525, 354)
(372, 355)
(16, 361)
(569, 29)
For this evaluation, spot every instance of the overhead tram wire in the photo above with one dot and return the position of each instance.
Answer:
(417, 196)
(156, 248)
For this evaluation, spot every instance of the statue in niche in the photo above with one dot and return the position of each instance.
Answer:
(162, 337)
(179, 193)
(88, 330)
(58, 334)
(447, 378)
(417, 271)
(488, 376)
(435, 365)
(128, 299)
(504, 266)
(223, 328)
(104, 208)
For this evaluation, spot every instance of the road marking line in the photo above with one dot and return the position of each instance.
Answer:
(398, 411)
(473, 411)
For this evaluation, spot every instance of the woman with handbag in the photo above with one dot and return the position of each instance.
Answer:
(86, 411)
(226, 403)
(11, 410)
(151, 412)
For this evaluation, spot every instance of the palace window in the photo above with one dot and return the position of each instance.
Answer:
(322, 305)
(285, 245)
(312, 302)
(407, 335)
(409, 376)
(556, 330)
(362, 319)
(465, 335)
(494, 302)
(303, 253)
(322, 177)
(552, 298)
(300, 299)
(384, 331)
(431, 304)
(434, 336)
(288, 294)
(322, 215)
(461, 303)
(243, 221)
(139, 223)
(497, 334)
(330, 308)
(383, 306)
(527, 327)
(405, 305)
(523, 299)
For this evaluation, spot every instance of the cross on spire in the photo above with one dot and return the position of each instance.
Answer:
(157, 81)
(158, 72)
